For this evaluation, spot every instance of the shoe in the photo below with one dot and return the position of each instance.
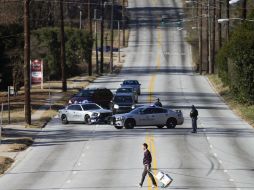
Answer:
(193, 131)
(139, 185)
(153, 186)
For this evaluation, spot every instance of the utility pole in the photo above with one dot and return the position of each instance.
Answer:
(227, 16)
(213, 38)
(96, 42)
(219, 26)
(27, 62)
(111, 37)
(200, 23)
(207, 38)
(90, 65)
(64, 83)
(244, 9)
(90, 17)
(80, 18)
(102, 36)
(119, 42)
(123, 23)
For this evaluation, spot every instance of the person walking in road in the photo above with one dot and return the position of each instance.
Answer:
(158, 103)
(147, 160)
(194, 118)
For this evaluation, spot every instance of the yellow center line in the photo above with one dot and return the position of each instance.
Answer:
(149, 138)
(150, 142)
(158, 63)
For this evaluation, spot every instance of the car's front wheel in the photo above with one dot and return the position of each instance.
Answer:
(87, 119)
(160, 126)
(171, 123)
(64, 119)
(129, 124)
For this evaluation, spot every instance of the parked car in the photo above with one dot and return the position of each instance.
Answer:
(148, 116)
(128, 91)
(87, 113)
(132, 83)
(100, 96)
(122, 103)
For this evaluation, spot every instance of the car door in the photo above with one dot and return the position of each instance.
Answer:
(78, 114)
(74, 112)
(160, 116)
(70, 113)
(146, 117)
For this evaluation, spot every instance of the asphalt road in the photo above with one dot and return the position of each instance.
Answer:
(77, 156)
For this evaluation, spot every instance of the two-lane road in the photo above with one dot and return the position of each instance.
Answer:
(79, 157)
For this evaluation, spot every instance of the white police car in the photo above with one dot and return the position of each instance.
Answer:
(148, 116)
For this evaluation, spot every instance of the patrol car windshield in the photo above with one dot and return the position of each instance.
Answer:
(123, 99)
(130, 82)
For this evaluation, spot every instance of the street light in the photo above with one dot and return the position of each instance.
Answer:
(233, 1)
(222, 20)
(80, 17)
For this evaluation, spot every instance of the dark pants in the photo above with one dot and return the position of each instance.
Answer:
(194, 124)
(146, 168)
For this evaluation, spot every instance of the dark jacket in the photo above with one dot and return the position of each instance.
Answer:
(194, 113)
(147, 160)
(159, 104)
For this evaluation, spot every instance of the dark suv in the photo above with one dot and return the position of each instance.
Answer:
(100, 96)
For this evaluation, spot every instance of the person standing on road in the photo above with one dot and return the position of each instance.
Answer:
(147, 160)
(158, 103)
(194, 118)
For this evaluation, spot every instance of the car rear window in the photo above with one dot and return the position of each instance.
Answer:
(90, 107)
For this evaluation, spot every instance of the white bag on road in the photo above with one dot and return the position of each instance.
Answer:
(165, 179)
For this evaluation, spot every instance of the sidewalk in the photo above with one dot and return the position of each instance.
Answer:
(17, 137)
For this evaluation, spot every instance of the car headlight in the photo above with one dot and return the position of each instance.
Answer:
(95, 114)
(116, 106)
(133, 106)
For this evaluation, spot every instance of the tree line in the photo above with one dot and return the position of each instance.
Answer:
(223, 40)
(45, 37)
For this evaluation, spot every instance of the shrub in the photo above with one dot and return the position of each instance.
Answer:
(236, 62)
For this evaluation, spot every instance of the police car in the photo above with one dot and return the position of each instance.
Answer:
(148, 116)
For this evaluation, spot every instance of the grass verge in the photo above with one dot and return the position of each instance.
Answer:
(5, 163)
(16, 144)
(246, 111)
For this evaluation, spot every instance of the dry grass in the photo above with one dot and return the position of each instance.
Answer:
(5, 163)
(12, 145)
(40, 98)
(16, 144)
(244, 110)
